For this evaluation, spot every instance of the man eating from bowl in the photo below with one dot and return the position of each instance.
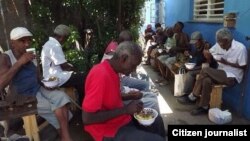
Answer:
(54, 62)
(198, 59)
(229, 72)
(104, 115)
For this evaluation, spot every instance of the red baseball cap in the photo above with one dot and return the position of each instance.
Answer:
(111, 47)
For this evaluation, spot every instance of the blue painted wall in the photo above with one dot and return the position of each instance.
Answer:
(182, 10)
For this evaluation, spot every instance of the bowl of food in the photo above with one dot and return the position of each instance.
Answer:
(51, 82)
(190, 65)
(146, 117)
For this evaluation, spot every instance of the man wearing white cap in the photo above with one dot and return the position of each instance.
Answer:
(19, 72)
(55, 64)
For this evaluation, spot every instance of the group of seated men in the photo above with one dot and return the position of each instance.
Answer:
(223, 63)
(19, 72)
(105, 115)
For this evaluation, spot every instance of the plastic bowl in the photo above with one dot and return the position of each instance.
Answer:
(190, 65)
(51, 84)
(146, 121)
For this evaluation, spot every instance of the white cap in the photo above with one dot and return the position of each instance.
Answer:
(19, 32)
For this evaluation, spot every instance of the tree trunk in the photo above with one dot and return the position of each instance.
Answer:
(119, 24)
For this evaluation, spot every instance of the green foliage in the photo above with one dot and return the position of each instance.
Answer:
(76, 58)
(73, 37)
(106, 17)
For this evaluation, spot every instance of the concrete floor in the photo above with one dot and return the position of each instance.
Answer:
(177, 113)
(172, 112)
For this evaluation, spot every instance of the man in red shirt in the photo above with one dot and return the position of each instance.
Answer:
(104, 115)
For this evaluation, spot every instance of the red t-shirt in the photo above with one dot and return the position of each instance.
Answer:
(102, 92)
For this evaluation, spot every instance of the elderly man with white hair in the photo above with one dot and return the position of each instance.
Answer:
(19, 72)
(231, 56)
(55, 64)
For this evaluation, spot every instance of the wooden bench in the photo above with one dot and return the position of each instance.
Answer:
(28, 113)
(216, 96)
(175, 68)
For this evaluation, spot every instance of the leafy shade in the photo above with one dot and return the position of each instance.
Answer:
(105, 17)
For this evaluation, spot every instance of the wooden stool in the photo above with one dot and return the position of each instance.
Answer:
(28, 113)
(31, 128)
(216, 96)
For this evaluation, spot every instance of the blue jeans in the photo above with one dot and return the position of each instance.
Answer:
(131, 82)
(149, 100)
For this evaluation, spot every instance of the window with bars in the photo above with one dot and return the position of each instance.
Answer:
(208, 10)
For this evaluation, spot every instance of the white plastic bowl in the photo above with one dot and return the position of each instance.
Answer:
(190, 65)
(146, 122)
(51, 84)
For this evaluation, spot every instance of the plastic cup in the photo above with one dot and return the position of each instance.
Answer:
(33, 50)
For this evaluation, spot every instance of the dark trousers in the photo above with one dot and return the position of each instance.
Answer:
(208, 77)
(77, 80)
(190, 81)
(131, 133)
(157, 127)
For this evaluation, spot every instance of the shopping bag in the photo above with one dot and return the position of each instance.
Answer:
(179, 82)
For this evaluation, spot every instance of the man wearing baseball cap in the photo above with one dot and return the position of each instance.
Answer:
(55, 64)
(196, 36)
(19, 73)
(197, 57)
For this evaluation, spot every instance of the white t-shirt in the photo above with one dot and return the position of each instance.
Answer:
(237, 54)
(52, 56)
